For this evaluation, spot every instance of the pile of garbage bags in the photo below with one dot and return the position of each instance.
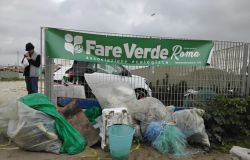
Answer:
(187, 124)
(34, 124)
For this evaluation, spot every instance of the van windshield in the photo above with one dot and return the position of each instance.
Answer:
(109, 69)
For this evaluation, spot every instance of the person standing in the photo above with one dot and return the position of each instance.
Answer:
(32, 62)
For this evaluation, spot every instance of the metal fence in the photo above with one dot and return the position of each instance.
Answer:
(180, 86)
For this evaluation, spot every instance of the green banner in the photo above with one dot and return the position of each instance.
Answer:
(112, 49)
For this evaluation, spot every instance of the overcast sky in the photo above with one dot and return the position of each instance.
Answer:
(20, 20)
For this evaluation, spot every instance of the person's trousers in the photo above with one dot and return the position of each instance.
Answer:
(31, 84)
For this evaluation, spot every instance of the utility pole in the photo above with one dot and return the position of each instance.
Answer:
(17, 58)
(17, 63)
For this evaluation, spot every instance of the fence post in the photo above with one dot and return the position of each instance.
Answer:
(41, 53)
(48, 78)
(248, 71)
(244, 69)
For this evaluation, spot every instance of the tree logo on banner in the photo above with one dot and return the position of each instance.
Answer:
(73, 44)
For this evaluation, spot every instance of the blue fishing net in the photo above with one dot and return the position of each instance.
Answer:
(153, 131)
(170, 140)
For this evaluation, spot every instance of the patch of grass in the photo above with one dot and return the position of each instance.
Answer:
(229, 143)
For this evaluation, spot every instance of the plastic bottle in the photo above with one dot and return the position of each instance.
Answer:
(76, 80)
(64, 80)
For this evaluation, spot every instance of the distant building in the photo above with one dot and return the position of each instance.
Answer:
(11, 72)
(195, 77)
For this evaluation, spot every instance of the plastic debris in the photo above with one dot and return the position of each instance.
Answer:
(93, 113)
(110, 117)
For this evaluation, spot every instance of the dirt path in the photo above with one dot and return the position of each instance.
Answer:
(144, 153)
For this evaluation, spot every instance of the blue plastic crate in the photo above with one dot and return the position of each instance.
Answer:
(176, 108)
(82, 103)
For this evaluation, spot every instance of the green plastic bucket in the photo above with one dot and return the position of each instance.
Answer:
(120, 140)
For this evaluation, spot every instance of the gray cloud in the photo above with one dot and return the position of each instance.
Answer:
(20, 21)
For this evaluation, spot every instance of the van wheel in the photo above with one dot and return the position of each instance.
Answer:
(141, 93)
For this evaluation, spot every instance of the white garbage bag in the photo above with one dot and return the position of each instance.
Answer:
(113, 95)
(191, 123)
(240, 153)
(33, 130)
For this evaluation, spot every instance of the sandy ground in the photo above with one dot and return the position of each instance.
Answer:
(10, 91)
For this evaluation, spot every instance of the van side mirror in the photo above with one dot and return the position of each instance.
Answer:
(89, 70)
(125, 73)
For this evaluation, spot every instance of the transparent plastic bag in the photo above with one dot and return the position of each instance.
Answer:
(33, 130)
(73, 142)
(150, 109)
(9, 111)
(191, 123)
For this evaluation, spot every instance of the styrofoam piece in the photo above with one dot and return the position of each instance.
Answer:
(110, 117)
(241, 153)
(70, 91)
